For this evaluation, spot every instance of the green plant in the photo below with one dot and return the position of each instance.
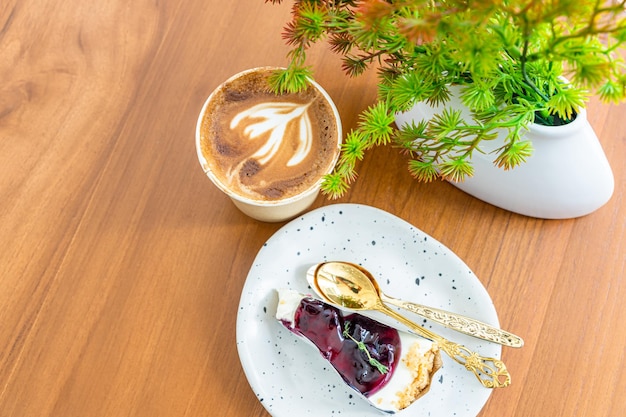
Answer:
(508, 58)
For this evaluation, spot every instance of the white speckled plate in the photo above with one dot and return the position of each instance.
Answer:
(290, 377)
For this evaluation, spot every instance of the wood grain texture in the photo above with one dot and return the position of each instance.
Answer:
(121, 266)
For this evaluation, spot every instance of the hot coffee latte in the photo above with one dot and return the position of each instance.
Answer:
(267, 147)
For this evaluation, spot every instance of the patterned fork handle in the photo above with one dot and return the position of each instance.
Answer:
(491, 372)
(459, 323)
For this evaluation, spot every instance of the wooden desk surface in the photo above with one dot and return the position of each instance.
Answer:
(121, 266)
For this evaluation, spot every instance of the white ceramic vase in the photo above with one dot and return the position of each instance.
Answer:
(567, 175)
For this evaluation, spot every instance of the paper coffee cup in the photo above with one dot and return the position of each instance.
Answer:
(268, 153)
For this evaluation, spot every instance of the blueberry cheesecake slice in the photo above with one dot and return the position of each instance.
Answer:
(389, 368)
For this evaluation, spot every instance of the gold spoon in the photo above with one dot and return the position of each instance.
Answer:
(333, 281)
(362, 278)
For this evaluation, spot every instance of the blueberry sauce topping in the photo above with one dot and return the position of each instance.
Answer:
(324, 325)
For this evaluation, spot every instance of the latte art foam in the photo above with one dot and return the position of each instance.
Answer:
(264, 146)
(274, 119)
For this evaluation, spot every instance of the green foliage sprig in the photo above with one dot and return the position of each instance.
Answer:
(363, 348)
(508, 58)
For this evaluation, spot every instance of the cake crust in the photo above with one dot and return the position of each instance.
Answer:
(422, 366)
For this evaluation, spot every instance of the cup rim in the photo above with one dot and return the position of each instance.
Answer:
(314, 188)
